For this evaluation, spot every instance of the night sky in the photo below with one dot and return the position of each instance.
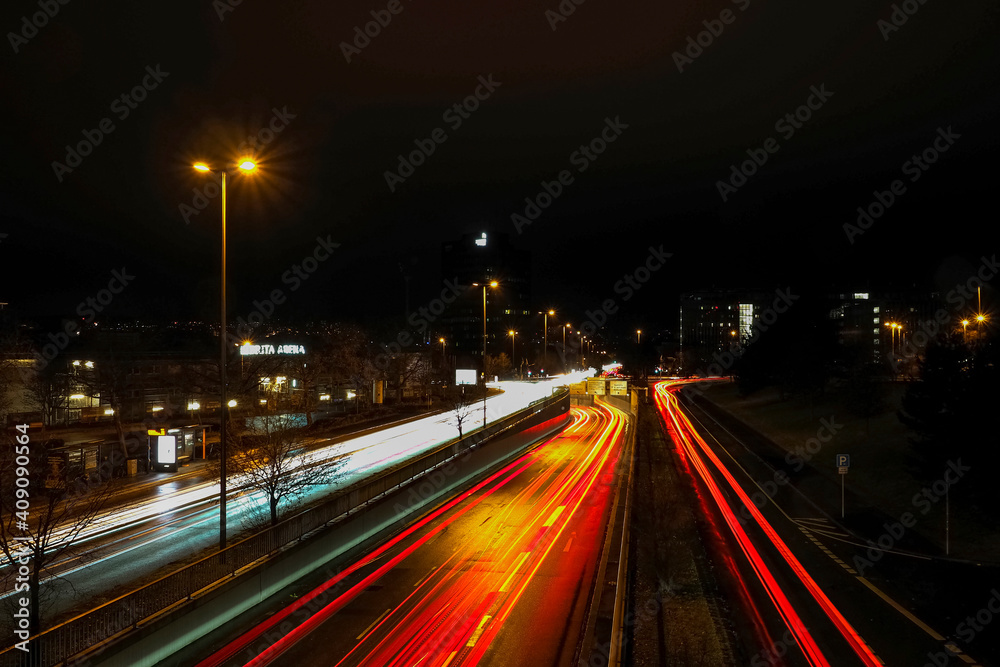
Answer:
(880, 93)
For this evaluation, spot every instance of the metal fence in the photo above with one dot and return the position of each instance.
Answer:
(58, 645)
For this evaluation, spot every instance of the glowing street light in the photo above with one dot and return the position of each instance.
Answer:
(512, 333)
(545, 339)
(492, 283)
(246, 165)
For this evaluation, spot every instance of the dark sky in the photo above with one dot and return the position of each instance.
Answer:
(323, 173)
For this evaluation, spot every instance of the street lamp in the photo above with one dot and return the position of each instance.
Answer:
(564, 327)
(638, 336)
(545, 340)
(224, 405)
(492, 283)
(512, 333)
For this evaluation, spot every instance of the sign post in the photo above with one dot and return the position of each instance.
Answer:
(843, 462)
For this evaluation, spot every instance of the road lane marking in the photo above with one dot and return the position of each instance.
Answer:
(555, 515)
(374, 623)
(517, 565)
(479, 631)
(422, 580)
(902, 610)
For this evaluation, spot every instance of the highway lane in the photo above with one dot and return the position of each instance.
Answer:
(179, 516)
(499, 575)
(809, 600)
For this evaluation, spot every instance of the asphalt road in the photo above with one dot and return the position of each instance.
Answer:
(499, 575)
(807, 558)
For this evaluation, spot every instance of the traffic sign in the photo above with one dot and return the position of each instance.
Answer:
(843, 460)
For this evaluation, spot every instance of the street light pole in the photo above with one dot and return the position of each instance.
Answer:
(545, 341)
(491, 284)
(564, 327)
(224, 404)
(246, 165)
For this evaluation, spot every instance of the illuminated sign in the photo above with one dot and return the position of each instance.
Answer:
(465, 376)
(253, 350)
(166, 449)
(596, 386)
(619, 387)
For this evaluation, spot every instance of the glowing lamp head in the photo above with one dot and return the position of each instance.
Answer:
(494, 283)
(247, 165)
(201, 166)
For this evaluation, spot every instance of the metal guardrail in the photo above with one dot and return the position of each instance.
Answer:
(58, 645)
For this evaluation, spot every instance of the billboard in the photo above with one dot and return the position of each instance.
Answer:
(166, 449)
(466, 376)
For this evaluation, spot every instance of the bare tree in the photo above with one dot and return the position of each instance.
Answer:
(41, 519)
(463, 405)
(498, 365)
(266, 456)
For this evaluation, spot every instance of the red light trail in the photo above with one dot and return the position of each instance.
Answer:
(695, 453)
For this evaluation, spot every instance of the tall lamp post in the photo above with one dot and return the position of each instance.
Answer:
(564, 327)
(492, 283)
(513, 358)
(248, 166)
(545, 340)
